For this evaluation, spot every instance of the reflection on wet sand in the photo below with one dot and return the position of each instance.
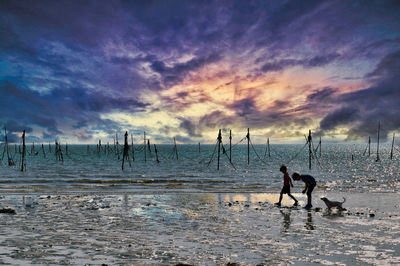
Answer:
(286, 219)
(195, 229)
(309, 222)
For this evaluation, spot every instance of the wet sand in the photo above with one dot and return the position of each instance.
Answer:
(198, 229)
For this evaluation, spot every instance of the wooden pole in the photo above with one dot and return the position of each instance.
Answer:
(6, 143)
(115, 146)
(199, 147)
(369, 146)
(5, 146)
(9, 159)
(248, 145)
(117, 143)
(144, 145)
(391, 151)
(126, 151)
(377, 147)
(23, 166)
(176, 149)
(156, 151)
(219, 147)
(44, 153)
(230, 145)
(56, 151)
(320, 146)
(148, 146)
(133, 148)
(269, 149)
(309, 149)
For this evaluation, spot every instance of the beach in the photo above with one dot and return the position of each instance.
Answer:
(87, 211)
(198, 229)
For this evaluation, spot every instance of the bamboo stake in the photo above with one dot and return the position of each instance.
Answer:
(144, 145)
(219, 147)
(6, 145)
(44, 153)
(377, 147)
(320, 146)
(391, 151)
(309, 149)
(133, 148)
(176, 149)
(156, 151)
(4, 149)
(148, 146)
(369, 146)
(23, 165)
(60, 154)
(116, 137)
(230, 145)
(9, 159)
(56, 151)
(248, 145)
(126, 151)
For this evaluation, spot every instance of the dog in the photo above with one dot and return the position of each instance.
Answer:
(333, 204)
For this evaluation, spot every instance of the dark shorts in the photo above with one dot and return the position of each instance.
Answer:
(310, 189)
(285, 189)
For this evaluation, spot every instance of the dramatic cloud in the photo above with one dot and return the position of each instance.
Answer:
(317, 61)
(362, 110)
(85, 70)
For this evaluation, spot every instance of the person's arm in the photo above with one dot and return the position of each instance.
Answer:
(305, 189)
(290, 181)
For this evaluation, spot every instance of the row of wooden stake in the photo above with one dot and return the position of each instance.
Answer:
(126, 156)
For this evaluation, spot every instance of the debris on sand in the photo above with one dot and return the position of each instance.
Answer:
(8, 211)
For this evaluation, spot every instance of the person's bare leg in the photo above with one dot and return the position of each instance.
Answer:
(295, 200)
(280, 198)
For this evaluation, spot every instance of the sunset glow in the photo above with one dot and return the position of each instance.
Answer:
(82, 71)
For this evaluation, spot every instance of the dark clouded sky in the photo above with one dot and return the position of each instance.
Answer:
(80, 71)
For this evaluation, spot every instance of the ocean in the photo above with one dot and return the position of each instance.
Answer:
(339, 167)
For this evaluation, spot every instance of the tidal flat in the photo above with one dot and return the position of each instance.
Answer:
(198, 229)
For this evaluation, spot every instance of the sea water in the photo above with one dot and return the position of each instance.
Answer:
(338, 167)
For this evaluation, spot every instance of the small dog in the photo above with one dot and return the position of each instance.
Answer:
(332, 204)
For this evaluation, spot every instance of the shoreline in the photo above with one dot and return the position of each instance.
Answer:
(150, 192)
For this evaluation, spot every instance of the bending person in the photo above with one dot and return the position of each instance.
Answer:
(310, 185)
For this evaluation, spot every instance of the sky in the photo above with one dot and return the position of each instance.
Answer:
(80, 71)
